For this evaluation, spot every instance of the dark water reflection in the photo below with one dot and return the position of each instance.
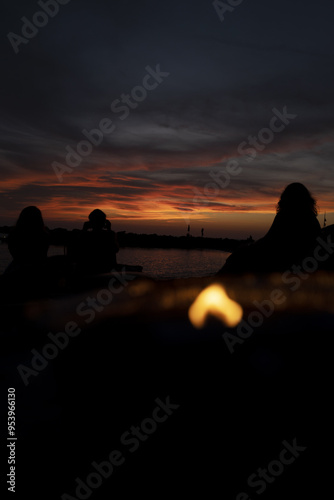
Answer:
(157, 262)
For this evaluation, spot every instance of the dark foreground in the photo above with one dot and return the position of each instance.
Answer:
(174, 410)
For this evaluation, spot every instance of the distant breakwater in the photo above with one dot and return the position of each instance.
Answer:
(62, 236)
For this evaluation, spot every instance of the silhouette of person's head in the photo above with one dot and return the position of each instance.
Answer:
(296, 198)
(30, 219)
(97, 219)
(29, 241)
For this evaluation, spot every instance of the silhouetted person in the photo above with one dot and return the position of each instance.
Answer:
(28, 243)
(291, 237)
(94, 248)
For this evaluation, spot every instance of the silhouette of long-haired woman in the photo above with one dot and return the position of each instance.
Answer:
(291, 237)
(29, 241)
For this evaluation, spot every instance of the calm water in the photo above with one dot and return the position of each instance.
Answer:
(160, 263)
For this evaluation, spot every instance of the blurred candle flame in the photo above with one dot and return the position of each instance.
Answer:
(215, 301)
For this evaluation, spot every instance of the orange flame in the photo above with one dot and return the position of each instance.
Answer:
(215, 301)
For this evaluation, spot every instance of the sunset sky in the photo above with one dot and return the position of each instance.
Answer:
(156, 168)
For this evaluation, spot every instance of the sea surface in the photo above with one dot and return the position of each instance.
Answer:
(156, 262)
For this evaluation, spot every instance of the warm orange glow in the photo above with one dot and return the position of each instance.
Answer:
(215, 301)
(153, 194)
